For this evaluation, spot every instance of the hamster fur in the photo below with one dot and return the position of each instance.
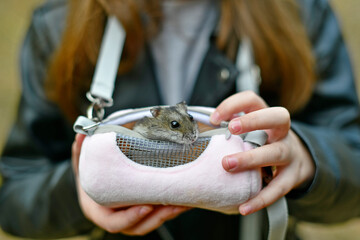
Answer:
(172, 124)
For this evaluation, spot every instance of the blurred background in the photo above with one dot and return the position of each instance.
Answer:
(14, 19)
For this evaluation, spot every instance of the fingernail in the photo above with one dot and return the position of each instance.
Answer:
(235, 126)
(245, 209)
(145, 210)
(215, 118)
(231, 163)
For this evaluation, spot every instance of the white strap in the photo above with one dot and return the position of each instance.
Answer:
(278, 219)
(108, 61)
(85, 125)
(258, 137)
(249, 77)
(250, 226)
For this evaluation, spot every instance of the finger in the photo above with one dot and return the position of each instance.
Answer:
(277, 119)
(76, 146)
(118, 221)
(79, 138)
(274, 154)
(246, 101)
(76, 149)
(276, 189)
(75, 158)
(156, 219)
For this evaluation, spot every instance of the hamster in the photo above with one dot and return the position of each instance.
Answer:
(172, 124)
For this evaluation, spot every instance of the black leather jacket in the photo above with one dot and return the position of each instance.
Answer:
(38, 197)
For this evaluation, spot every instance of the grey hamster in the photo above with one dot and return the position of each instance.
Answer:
(172, 124)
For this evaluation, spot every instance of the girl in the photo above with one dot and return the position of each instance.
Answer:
(185, 50)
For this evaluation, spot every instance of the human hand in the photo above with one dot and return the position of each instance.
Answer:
(284, 149)
(130, 220)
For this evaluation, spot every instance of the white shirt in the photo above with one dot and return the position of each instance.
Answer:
(181, 45)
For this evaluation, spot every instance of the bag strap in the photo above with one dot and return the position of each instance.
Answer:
(102, 86)
(101, 92)
(250, 79)
(278, 219)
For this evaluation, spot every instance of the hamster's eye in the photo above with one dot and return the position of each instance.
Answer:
(175, 124)
(191, 117)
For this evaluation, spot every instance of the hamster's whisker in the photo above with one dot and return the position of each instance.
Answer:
(189, 146)
(184, 148)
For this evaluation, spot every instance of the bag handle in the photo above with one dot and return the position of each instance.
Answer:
(101, 92)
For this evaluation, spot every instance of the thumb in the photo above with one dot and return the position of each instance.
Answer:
(76, 149)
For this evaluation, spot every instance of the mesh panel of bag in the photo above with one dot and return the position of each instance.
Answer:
(160, 154)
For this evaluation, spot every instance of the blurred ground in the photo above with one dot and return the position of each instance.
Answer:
(14, 18)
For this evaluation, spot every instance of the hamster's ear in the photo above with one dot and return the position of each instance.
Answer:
(155, 111)
(182, 106)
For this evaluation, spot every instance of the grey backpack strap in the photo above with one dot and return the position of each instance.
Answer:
(250, 226)
(278, 219)
(256, 138)
(249, 79)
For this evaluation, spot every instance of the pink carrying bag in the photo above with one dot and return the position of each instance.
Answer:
(120, 167)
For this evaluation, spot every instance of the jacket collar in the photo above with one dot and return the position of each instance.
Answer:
(216, 79)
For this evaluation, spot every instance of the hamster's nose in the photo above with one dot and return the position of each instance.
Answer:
(193, 138)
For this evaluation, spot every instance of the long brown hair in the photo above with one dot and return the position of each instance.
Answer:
(281, 47)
